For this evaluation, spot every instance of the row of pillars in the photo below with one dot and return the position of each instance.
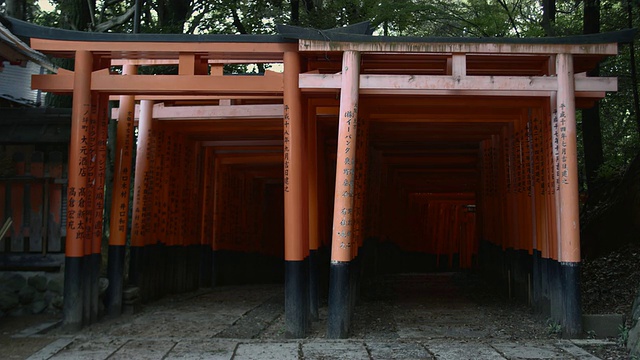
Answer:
(528, 205)
(546, 220)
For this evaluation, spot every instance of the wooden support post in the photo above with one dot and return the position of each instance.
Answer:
(569, 206)
(165, 203)
(37, 210)
(339, 319)
(99, 132)
(76, 194)
(217, 217)
(120, 200)
(55, 203)
(206, 204)
(16, 198)
(314, 241)
(87, 266)
(141, 199)
(554, 267)
(296, 240)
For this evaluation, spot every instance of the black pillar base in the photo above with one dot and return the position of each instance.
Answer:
(296, 298)
(555, 291)
(340, 291)
(314, 296)
(94, 261)
(215, 266)
(73, 294)
(136, 276)
(115, 274)
(570, 282)
(86, 290)
(205, 265)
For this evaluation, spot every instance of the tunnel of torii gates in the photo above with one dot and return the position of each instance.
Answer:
(385, 154)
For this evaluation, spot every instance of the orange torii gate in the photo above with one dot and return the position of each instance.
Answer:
(385, 119)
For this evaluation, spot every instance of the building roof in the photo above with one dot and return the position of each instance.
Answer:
(361, 32)
(15, 51)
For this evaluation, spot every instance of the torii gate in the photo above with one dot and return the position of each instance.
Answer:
(494, 118)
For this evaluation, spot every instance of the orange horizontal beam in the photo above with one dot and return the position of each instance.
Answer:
(163, 84)
(243, 143)
(268, 158)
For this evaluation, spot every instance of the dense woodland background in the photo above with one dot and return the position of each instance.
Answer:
(609, 133)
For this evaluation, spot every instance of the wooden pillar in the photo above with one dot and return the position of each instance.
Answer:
(296, 240)
(569, 206)
(87, 271)
(120, 200)
(217, 217)
(76, 193)
(206, 218)
(342, 237)
(165, 205)
(140, 200)
(314, 241)
(97, 218)
(553, 265)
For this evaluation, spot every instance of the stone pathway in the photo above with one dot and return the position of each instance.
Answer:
(411, 317)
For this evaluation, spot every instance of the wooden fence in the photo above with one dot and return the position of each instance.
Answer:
(32, 197)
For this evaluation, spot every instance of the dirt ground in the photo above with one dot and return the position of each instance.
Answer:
(408, 307)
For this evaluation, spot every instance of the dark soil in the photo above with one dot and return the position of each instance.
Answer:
(610, 283)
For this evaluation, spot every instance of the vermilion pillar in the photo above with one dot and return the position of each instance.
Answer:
(99, 159)
(120, 200)
(76, 193)
(342, 238)
(314, 242)
(296, 243)
(141, 198)
(87, 268)
(217, 217)
(569, 207)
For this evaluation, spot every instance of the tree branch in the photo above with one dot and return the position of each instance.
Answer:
(237, 23)
(113, 22)
(511, 19)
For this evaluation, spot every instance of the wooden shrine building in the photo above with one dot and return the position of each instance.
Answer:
(390, 153)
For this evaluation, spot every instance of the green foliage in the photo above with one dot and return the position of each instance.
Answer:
(623, 335)
(554, 329)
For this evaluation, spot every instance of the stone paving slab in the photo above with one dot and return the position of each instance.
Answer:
(267, 351)
(516, 351)
(143, 350)
(50, 350)
(94, 349)
(575, 351)
(202, 349)
(398, 350)
(330, 350)
(447, 349)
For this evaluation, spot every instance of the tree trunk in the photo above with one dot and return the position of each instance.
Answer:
(549, 17)
(15, 8)
(295, 12)
(76, 14)
(172, 15)
(591, 132)
(634, 69)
